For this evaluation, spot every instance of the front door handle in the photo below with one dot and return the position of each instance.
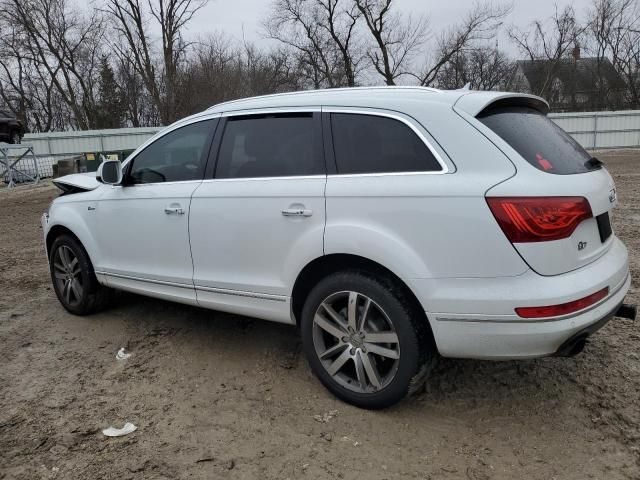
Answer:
(174, 210)
(297, 212)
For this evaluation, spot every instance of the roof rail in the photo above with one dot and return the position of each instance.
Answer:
(327, 90)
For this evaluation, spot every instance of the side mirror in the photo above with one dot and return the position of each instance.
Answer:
(109, 172)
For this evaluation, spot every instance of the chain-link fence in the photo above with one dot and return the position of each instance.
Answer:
(25, 169)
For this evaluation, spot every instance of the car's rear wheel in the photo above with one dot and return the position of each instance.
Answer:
(14, 138)
(74, 280)
(364, 339)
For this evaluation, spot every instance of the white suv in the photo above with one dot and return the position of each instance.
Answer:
(389, 224)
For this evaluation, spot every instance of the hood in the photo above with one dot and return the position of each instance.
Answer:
(77, 182)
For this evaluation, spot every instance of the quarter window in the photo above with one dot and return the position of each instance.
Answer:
(374, 144)
(281, 145)
(177, 156)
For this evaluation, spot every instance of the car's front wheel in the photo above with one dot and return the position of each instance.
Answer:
(73, 278)
(364, 339)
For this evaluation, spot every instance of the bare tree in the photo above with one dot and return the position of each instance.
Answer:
(396, 39)
(63, 46)
(221, 70)
(482, 68)
(480, 24)
(613, 34)
(324, 35)
(549, 41)
(132, 22)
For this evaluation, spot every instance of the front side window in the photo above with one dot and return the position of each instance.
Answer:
(177, 156)
(277, 145)
(374, 144)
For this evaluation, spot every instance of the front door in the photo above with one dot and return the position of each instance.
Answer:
(261, 218)
(143, 226)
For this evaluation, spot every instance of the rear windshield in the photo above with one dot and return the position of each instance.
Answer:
(538, 140)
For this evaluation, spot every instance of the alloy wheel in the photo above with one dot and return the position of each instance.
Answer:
(67, 274)
(356, 342)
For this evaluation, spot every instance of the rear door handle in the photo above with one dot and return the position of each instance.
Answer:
(297, 212)
(174, 210)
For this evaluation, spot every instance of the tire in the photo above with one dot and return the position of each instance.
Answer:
(74, 280)
(14, 138)
(383, 359)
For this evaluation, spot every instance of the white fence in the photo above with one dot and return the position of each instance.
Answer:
(599, 130)
(74, 142)
(593, 130)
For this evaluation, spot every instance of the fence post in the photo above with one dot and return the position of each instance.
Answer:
(595, 130)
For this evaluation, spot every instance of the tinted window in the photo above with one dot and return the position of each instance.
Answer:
(373, 144)
(270, 146)
(538, 140)
(177, 156)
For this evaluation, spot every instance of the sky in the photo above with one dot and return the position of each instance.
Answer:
(242, 18)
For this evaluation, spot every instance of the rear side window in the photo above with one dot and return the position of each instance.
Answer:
(538, 140)
(373, 144)
(282, 145)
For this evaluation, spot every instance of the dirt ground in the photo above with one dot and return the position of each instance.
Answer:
(221, 396)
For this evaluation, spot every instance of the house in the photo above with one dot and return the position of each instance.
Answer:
(574, 83)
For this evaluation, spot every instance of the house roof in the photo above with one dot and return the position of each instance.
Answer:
(581, 75)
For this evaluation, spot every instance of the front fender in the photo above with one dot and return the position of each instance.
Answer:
(73, 217)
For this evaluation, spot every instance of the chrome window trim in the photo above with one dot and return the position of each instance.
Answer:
(242, 179)
(176, 182)
(268, 110)
(401, 118)
(301, 109)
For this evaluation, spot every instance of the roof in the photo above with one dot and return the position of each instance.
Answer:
(406, 99)
(354, 96)
(583, 73)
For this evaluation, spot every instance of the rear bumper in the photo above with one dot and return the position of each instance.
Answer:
(475, 317)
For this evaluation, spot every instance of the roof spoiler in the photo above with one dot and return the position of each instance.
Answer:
(474, 103)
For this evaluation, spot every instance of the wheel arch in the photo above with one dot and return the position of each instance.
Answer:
(323, 266)
(55, 231)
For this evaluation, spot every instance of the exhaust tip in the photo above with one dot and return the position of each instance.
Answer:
(627, 311)
(573, 346)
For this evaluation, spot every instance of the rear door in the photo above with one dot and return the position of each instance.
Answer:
(260, 217)
(551, 165)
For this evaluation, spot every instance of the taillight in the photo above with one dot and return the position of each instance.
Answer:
(539, 219)
(563, 308)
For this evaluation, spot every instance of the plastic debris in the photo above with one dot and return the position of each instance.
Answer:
(119, 432)
(122, 355)
(325, 417)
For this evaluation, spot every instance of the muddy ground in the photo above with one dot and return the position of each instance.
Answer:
(221, 396)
